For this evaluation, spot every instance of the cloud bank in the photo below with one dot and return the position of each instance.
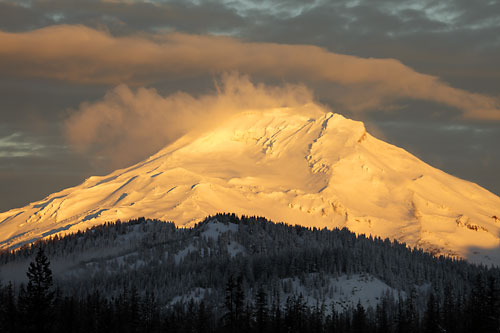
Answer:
(127, 125)
(80, 54)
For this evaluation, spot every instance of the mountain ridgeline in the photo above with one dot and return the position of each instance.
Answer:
(231, 273)
(303, 166)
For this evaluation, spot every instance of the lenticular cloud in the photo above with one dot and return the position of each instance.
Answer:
(84, 55)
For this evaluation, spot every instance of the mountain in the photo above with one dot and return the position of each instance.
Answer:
(310, 168)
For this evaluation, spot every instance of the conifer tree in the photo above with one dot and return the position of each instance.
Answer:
(8, 309)
(449, 309)
(151, 314)
(381, 319)
(359, 324)
(229, 317)
(37, 300)
(492, 322)
(239, 299)
(276, 312)
(261, 310)
(202, 318)
(431, 316)
(477, 304)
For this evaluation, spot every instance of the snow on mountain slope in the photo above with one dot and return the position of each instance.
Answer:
(298, 166)
(343, 292)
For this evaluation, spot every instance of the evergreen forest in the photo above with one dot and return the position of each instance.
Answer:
(239, 274)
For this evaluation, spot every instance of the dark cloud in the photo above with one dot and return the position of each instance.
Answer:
(31, 178)
(124, 17)
(14, 17)
(35, 163)
(439, 38)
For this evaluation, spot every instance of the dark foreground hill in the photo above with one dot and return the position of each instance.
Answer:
(245, 274)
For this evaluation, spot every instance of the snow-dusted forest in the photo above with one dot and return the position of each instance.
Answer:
(248, 272)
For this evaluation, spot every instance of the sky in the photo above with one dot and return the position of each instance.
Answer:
(87, 87)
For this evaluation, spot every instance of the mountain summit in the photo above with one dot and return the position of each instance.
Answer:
(310, 168)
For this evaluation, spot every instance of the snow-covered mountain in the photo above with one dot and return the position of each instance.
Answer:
(311, 168)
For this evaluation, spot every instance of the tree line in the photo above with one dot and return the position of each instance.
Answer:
(40, 307)
(146, 275)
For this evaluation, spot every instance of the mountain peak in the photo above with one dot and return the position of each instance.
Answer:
(297, 165)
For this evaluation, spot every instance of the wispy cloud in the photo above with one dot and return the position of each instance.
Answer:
(15, 145)
(128, 125)
(84, 55)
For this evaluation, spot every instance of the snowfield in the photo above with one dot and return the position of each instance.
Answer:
(302, 167)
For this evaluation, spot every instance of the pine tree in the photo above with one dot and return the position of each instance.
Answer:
(477, 305)
(239, 299)
(449, 310)
(492, 323)
(317, 317)
(432, 315)
(8, 309)
(229, 316)
(202, 318)
(359, 320)
(276, 312)
(37, 300)
(411, 311)
(261, 310)
(151, 314)
(382, 321)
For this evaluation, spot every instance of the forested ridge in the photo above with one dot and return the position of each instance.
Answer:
(231, 273)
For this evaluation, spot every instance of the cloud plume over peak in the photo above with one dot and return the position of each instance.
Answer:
(128, 125)
(84, 55)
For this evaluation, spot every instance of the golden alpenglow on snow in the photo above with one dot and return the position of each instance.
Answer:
(249, 166)
(300, 165)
